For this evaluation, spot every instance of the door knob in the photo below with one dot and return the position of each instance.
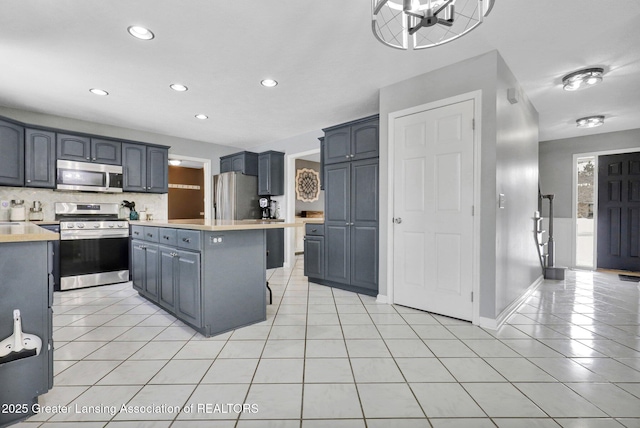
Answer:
(397, 220)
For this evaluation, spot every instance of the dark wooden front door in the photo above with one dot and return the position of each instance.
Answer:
(619, 212)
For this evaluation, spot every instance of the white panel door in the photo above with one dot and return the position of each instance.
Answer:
(433, 203)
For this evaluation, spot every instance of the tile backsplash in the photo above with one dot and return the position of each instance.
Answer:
(154, 203)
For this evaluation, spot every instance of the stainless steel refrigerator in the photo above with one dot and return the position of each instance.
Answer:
(235, 196)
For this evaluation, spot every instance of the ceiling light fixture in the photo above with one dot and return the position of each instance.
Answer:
(178, 87)
(202, 116)
(590, 121)
(395, 22)
(97, 91)
(269, 83)
(582, 79)
(140, 32)
(174, 162)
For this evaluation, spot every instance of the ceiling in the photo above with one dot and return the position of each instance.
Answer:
(323, 54)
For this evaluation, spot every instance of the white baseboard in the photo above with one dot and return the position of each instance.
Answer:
(382, 299)
(494, 324)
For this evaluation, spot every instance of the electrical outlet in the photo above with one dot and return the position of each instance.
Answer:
(502, 201)
(5, 205)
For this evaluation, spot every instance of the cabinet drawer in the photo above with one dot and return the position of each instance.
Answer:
(314, 229)
(189, 239)
(168, 236)
(150, 234)
(137, 232)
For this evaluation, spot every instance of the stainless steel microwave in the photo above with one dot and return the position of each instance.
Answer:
(88, 177)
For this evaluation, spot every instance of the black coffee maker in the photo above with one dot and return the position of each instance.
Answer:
(265, 207)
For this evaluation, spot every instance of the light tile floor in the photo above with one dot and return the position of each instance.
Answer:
(570, 357)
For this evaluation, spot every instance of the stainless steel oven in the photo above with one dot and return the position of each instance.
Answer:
(94, 245)
(88, 177)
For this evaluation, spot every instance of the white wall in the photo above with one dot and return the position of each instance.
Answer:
(508, 165)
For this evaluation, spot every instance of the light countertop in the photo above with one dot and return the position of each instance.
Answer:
(314, 220)
(216, 225)
(25, 232)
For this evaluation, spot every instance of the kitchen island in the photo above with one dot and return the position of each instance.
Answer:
(26, 284)
(211, 274)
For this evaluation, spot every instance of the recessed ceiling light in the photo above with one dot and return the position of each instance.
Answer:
(202, 116)
(582, 79)
(590, 121)
(269, 83)
(175, 162)
(178, 87)
(140, 32)
(97, 91)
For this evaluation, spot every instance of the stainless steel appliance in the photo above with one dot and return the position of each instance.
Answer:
(94, 245)
(235, 196)
(88, 177)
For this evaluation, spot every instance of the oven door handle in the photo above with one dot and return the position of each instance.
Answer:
(108, 181)
(73, 235)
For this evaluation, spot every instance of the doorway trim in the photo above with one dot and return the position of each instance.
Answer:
(574, 199)
(208, 190)
(476, 97)
(290, 192)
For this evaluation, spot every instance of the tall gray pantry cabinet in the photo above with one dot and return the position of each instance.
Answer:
(350, 233)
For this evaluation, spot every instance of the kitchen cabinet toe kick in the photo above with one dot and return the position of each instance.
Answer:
(213, 281)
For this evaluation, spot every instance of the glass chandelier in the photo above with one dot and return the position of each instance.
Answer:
(424, 24)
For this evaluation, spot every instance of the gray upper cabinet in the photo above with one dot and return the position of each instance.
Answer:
(157, 169)
(86, 149)
(73, 147)
(351, 141)
(106, 151)
(11, 154)
(145, 168)
(243, 162)
(134, 167)
(40, 159)
(271, 173)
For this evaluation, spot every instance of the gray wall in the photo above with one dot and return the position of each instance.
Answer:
(556, 162)
(315, 205)
(508, 146)
(179, 146)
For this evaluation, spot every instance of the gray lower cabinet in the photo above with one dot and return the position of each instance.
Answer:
(314, 256)
(351, 225)
(187, 283)
(27, 285)
(11, 154)
(179, 289)
(40, 158)
(144, 264)
(275, 248)
(168, 275)
(213, 281)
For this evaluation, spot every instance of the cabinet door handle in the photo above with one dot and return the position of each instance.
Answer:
(94, 159)
(165, 237)
(28, 181)
(187, 240)
(352, 156)
(150, 235)
(88, 158)
(351, 224)
(314, 230)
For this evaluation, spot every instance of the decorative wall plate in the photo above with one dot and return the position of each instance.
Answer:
(307, 185)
